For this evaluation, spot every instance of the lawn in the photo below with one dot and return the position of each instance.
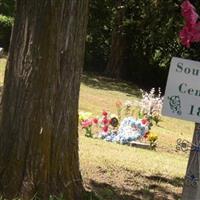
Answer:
(120, 172)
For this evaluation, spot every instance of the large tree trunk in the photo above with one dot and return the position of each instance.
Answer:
(116, 62)
(39, 134)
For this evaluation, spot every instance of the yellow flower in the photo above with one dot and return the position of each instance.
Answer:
(152, 137)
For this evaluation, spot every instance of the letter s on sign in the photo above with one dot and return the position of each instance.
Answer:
(179, 67)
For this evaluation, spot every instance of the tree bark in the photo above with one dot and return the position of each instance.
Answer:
(39, 122)
(118, 54)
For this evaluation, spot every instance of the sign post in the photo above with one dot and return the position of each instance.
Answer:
(182, 100)
(191, 188)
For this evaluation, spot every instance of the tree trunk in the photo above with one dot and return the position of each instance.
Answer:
(39, 134)
(118, 54)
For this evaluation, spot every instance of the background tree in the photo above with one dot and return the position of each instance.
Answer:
(119, 44)
(146, 35)
(38, 134)
(98, 34)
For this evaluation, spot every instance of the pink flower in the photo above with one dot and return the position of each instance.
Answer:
(144, 121)
(189, 13)
(185, 36)
(191, 31)
(196, 33)
(188, 35)
(86, 123)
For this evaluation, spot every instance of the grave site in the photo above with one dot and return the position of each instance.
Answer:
(99, 100)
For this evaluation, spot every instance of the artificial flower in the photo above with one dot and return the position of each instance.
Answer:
(189, 13)
(104, 113)
(105, 128)
(191, 31)
(95, 120)
(86, 123)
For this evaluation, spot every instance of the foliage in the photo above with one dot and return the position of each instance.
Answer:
(6, 23)
(151, 29)
(98, 38)
(7, 7)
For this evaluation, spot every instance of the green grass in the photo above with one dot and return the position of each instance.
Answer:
(120, 172)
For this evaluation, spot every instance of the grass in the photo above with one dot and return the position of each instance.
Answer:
(120, 172)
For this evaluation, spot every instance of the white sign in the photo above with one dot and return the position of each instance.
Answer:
(182, 95)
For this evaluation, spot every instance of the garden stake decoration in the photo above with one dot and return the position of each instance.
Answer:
(189, 34)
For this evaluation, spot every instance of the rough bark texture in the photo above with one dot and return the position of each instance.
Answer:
(116, 62)
(39, 135)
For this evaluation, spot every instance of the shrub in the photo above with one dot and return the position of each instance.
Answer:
(5, 31)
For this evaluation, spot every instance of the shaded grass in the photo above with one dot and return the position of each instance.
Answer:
(123, 172)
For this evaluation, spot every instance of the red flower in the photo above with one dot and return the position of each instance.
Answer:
(104, 113)
(105, 120)
(144, 121)
(95, 120)
(105, 128)
(146, 135)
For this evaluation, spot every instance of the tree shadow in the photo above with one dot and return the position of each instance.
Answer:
(176, 181)
(159, 187)
(104, 83)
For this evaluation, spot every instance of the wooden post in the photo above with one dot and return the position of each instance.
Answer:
(191, 188)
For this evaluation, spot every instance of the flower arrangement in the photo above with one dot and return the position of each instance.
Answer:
(108, 127)
(104, 124)
(151, 105)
